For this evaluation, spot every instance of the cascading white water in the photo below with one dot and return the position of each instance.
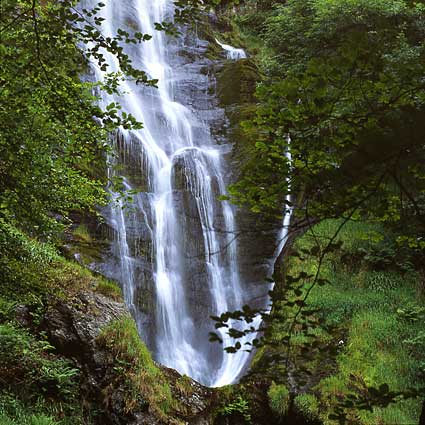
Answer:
(232, 52)
(179, 173)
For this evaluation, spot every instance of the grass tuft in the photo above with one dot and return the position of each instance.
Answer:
(279, 399)
(143, 382)
(109, 289)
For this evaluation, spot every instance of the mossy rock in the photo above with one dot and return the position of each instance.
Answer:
(236, 82)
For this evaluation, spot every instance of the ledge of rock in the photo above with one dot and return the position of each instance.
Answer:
(73, 327)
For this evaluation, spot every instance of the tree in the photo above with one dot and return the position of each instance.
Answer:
(54, 136)
(346, 83)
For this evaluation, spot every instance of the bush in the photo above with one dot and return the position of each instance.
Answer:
(25, 359)
(307, 405)
(279, 399)
(239, 407)
(23, 262)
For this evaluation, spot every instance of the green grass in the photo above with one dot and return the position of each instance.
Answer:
(372, 312)
(135, 370)
(31, 419)
(109, 289)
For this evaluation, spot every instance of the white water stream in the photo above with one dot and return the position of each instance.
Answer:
(172, 143)
(232, 52)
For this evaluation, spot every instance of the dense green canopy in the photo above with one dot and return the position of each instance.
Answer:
(53, 135)
(345, 80)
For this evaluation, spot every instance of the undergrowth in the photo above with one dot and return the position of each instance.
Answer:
(38, 387)
(369, 325)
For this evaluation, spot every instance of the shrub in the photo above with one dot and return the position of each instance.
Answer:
(307, 405)
(25, 359)
(23, 262)
(279, 399)
(239, 407)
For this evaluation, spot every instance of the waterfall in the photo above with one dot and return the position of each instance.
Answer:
(232, 52)
(287, 214)
(175, 243)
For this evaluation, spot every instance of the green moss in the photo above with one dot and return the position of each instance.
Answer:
(81, 233)
(279, 399)
(236, 82)
(142, 380)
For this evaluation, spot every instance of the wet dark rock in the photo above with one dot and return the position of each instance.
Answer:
(73, 325)
(220, 94)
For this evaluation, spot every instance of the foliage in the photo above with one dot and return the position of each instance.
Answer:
(23, 262)
(307, 405)
(27, 420)
(239, 407)
(279, 399)
(340, 127)
(51, 124)
(345, 82)
(15, 412)
(32, 272)
(353, 338)
(39, 384)
(24, 358)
